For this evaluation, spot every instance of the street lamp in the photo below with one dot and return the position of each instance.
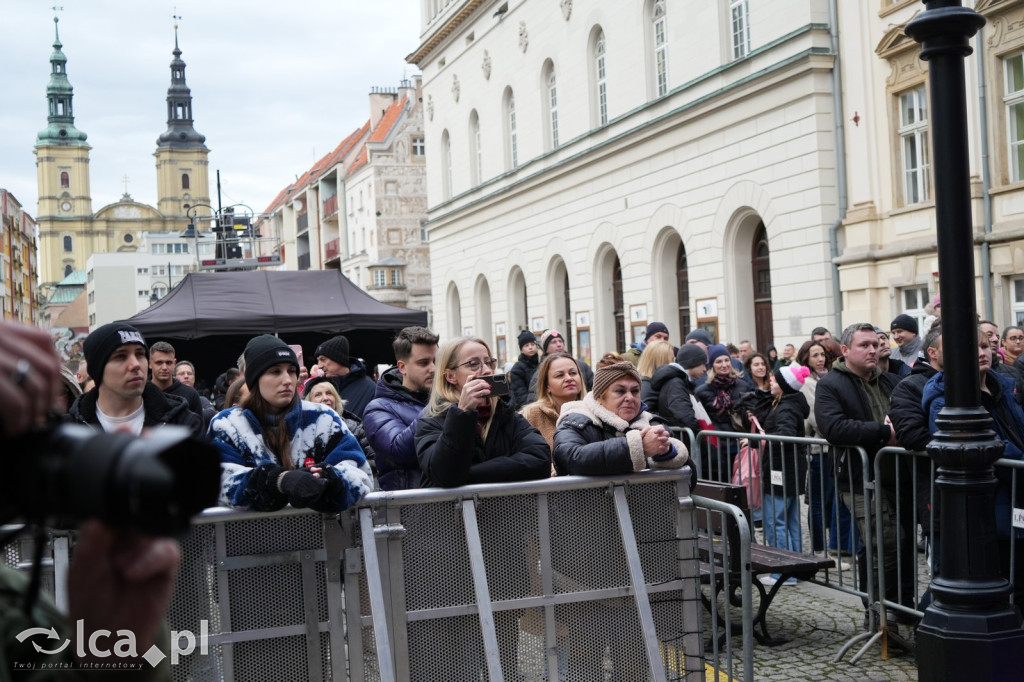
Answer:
(970, 630)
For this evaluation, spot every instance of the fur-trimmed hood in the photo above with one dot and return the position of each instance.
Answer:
(602, 416)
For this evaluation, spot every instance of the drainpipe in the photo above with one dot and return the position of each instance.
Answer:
(837, 107)
(986, 179)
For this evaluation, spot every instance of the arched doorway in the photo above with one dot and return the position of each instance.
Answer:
(517, 309)
(760, 272)
(683, 291)
(608, 329)
(558, 300)
(618, 307)
(484, 329)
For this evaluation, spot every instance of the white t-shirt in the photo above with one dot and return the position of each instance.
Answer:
(131, 423)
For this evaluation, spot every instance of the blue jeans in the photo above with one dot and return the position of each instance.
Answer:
(782, 522)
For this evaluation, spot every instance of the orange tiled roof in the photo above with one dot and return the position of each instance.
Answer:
(360, 161)
(387, 121)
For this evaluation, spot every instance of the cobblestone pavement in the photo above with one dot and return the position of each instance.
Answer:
(818, 621)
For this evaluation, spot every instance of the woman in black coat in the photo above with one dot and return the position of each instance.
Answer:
(720, 395)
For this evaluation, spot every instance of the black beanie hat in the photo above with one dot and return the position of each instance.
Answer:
(334, 349)
(103, 341)
(656, 328)
(262, 353)
(904, 322)
(525, 337)
(691, 355)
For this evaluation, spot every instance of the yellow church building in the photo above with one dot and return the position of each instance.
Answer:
(69, 231)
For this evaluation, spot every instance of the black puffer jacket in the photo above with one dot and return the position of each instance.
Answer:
(788, 461)
(160, 408)
(356, 388)
(451, 452)
(905, 410)
(672, 388)
(591, 440)
(520, 376)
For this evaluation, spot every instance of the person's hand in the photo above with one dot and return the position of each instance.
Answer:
(655, 440)
(29, 377)
(892, 434)
(473, 393)
(302, 487)
(122, 580)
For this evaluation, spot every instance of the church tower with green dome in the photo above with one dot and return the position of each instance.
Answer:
(62, 168)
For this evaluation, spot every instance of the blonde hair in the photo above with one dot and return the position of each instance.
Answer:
(444, 394)
(308, 390)
(656, 354)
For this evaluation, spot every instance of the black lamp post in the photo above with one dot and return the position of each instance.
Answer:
(970, 630)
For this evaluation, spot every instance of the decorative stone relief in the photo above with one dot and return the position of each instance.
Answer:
(486, 66)
(456, 88)
(430, 107)
(524, 38)
(567, 9)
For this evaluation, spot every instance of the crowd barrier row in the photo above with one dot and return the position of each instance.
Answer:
(558, 579)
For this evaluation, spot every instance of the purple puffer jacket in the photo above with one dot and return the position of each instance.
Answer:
(390, 424)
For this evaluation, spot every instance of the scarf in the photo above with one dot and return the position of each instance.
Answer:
(723, 385)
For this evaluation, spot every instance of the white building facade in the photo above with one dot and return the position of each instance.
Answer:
(593, 167)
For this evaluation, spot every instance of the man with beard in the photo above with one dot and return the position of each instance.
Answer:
(886, 362)
(402, 393)
(122, 399)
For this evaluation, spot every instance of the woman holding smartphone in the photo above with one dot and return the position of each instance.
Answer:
(466, 434)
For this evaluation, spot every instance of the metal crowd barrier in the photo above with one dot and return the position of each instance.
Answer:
(556, 579)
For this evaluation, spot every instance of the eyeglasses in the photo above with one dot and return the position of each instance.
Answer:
(476, 364)
(1015, 338)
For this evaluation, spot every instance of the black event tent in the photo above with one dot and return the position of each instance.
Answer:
(209, 317)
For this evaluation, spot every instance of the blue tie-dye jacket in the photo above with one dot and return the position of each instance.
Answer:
(249, 470)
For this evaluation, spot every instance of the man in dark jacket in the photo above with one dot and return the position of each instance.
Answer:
(122, 399)
(390, 418)
(673, 385)
(348, 375)
(851, 407)
(162, 359)
(522, 372)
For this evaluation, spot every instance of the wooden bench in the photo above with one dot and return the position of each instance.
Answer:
(764, 560)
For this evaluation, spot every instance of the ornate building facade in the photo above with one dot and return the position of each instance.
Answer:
(20, 298)
(69, 230)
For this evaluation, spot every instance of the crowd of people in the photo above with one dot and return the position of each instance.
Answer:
(324, 436)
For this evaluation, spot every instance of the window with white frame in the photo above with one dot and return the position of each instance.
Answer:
(418, 146)
(660, 48)
(1014, 100)
(553, 106)
(446, 160)
(913, 134)
(513, 140)
(914, 299)
(601, 79)
(739, 17)
(1017, 301)
(379, 278)
(396, 277)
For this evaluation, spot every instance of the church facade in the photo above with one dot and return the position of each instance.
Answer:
(69, 230)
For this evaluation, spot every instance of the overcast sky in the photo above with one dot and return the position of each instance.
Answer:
(275, 85)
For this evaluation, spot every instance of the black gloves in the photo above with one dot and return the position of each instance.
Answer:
(302, 488)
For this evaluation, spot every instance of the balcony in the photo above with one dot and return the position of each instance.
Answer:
(331, 250)
(330, 206)
(302, 222)
(303, 261)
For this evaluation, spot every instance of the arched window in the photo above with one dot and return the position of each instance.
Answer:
(600, 79)
(761, 274)
(510, 122)
(446, 165)
(65, 180)
(476, 160)
(68, 269)
(68, 245)
(549, 86)
(660, 48)
(184, 181)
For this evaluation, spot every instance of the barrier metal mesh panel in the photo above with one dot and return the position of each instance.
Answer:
(262, 585)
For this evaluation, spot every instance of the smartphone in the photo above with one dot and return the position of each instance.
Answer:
(498, 383)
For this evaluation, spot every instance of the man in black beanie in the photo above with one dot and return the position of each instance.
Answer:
(904, 332)
(123, 399)
(348, 375)
(524, 369)
(674, 384)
